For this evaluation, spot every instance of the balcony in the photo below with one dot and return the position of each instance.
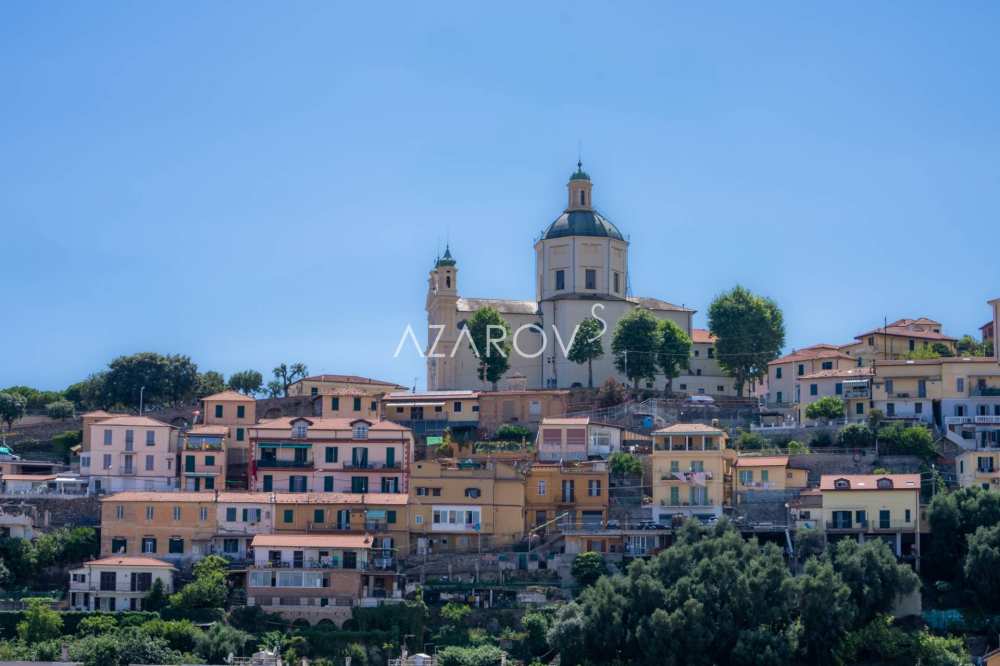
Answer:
(203, 470)
(328, 527)
(972, 420)
(687, 477)
(284, 464)
(372, 466)
(850, 394)
(331, 563)
(984, 390)
(127, 470)
(667, 503)
(870, 525)
(203, 446)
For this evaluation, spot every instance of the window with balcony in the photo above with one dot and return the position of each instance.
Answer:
(298, 484)
(360, 431)
(359, 484)
(359, 457)
(675, 496)
(331, 454)
(568, 491)
(390, 484)
(594, 488)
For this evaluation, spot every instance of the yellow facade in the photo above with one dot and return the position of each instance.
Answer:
(692, 471)
(175, 526)
(319, 384)
(907, 389)
(385, 516)
(852, 385)
(237, 412)
(203, 458)
(979, 468)
(347, 403)
(873, 506)
(897, 339)
(465, 506)
(768, 473)
(566, 495)
(783, 374)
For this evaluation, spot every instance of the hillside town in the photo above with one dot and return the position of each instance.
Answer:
(608, 452)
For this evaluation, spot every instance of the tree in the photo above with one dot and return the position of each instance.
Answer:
(91, 393)
(620, 462)
(490, 342)
(208, 589)
(752, 441)
(942, 349)
(536, 626)
(60, 410)
(828, 408)
(611, 393)
(97, 624)
(40, 622)
(512, 432)
(209, 383)
(156, 600)
(145, 373)
(873, 575)
(825, 610)
(12, 407)
(924, 352)
(673, 351)
(856, 436)
(982, 565)
(286, 375)
(182, 379)
(588, 567)
(247, 382)
(588, 345)
(750, 332)
(809, 543)
(634, 346)
(275, 389)
(220, 641)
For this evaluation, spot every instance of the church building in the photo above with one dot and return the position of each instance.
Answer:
(581, 270)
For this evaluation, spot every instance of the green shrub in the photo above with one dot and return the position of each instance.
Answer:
(512, 432)
(856, 436)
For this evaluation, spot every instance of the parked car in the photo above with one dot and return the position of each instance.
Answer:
(701, 399)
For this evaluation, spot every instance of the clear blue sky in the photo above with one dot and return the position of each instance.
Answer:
(250, 183)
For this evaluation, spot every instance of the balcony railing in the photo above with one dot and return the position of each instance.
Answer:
(667, 503)
(334, 563)
(984, 391)
(870, 525)
(972, 420)
(126, 471)
(686, 476)
(328, 527)
(202, 446)
(285, 464)
(353, 466)
(204, 469)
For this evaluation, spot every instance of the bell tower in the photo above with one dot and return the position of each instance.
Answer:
(442, 328)
(579, 187)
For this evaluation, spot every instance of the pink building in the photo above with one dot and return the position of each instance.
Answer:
(130, 453)
(330, 455)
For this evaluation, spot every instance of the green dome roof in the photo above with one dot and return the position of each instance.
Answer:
(446, 260)
(582, 223)
(580, 174)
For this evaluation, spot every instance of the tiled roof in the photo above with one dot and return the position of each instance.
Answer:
(316, 423)
(98, 413)
(762, 461)
(28, 477)
(209, 430)
(821, 350)
(657, 304)
(870, 481)
(131, 562)
(312, 541)
(689, 429)
(900, 328)
(566, 421)
(702, 336)
(245, 497)
(398, 396)
(229, 396)
(137, 421)
(348, 379)
(859, 373)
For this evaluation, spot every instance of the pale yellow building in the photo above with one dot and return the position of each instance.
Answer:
(431, 413)
(203, 458)
(565, 495)
(347, 403)
(869, 506)
(130, 453)
(768, 473)
(238, 413)
(692, 471)
(521, 407)
(704, 375)
(979, 467)
(460, 506)
(173, 526)
(907, 389)
(896, 340)
(325, 384)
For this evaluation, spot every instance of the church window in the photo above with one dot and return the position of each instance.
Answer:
(583, 200)
(617, 282)
(560, 280)
(447, 281)
(590, 276)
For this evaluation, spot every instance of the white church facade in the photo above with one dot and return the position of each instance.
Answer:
(581, 270)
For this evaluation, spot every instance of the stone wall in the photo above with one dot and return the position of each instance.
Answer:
(54, 511)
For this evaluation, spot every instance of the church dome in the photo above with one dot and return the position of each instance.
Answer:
(582, 223)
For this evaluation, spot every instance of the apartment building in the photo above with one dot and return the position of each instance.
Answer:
(115, 584)
(768, 473)
(907, 389)
(302, 455)
(239, 517)
(178, 527)
(203, 458)
(869, 506)
(87, 419)
(979, 467)
(566, 495)
(130, 453)
(318, 384)
(522, 407)
(347, 403)
(853, 385)
(576, 438)
(704, 375)
(896, 340)
(692, 471)
(382, 516)
(784, 374)
(465, 506)
(970, 401)
(316, 577)
(237, 412)
(430, 413)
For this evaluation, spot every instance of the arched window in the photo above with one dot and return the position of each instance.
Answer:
(447, 281)
(842, 484)
(583, 198)
(884, 483)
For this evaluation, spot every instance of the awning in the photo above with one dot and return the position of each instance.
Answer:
(855, 381)
(376, 513)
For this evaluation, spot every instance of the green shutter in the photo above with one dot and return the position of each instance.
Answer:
(328, 484)
(268, 483)
(390, 457)
(390, 516)
(289, 515)
(318, 516)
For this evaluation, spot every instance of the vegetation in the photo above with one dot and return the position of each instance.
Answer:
(60, 410)
(673, 351)
(512, 432)
(611, 393)
(828, 408)
(620, 462)
(247, 382)
(23, 559)
(672, 609)
(588, 568)
(969, 346)
(750, 332)
(209, 383)
(208, 589)
(856, 436)
(634, 346)
(588, 346)
(12, 407)
(491, 342)
(284, 376)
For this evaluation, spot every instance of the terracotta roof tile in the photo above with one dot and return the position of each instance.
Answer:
(130, 562)
(702, 336)
(870, 481)
(821, 350)
(762, 461)
(857, 373)
(689, 428)
(137, 421)
(229, 396)
(312, 541)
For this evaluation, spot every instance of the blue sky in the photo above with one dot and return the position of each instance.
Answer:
(250, 183)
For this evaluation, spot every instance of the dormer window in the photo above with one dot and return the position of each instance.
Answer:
(842, 484)
(360, 430)
(300, 428)
(884, 484)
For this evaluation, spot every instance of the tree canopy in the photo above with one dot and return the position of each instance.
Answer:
(827, 408)
(247, 382)
(588, 346)
(491, 342)
(673, 351)
(635, 346)
(750, 332)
